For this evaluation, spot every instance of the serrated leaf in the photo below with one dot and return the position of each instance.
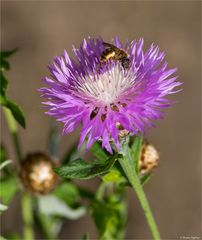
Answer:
(9, 187)
(99, 152)
(136, 147)
(16, 112)
(80, 169)
(51, 205)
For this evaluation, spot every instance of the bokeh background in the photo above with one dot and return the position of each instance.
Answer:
(43, 29)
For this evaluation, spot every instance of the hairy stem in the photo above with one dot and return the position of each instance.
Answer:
(128, 166)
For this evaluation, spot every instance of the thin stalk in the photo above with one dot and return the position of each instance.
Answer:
(14, 132)
(28, 233)
(43, 222)
(127, 164)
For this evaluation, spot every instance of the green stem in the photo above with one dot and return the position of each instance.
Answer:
(43, 222)
(14, 132)
(100, 191)
(127, 164)
(27, 216)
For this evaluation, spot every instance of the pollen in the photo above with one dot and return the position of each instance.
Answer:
(107, 87)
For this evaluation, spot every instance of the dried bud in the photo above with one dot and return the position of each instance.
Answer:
(37, 173)
(148, 159)
(123, 132)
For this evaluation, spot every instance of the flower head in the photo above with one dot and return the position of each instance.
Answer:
(104, 96)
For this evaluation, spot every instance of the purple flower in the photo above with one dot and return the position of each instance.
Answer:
(105, 97)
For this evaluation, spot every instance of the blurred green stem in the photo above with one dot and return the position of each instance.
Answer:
(14, 132)
(27, 216)
(100, 191)
(44, 223)
(128, 166)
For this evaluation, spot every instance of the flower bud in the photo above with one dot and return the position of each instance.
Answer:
(37, 173)
(149, 158)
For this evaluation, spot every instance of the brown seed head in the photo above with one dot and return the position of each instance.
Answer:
(149, 158)
(37, 173)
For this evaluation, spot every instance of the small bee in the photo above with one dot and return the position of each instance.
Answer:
(113, 53)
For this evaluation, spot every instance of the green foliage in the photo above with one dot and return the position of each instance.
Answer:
(136, 147)
(3, 86)
(99, 152)
(3, 154)
(2, 238)
(112, 176)
(8, 189)
(3, 59)
(80, 169)
(110, 219)
(86, 237)
(4, 100)
(5, 163)
(145, 178)
(60, 208)
(67, 192)
(50, 225)
(16, 111)
(13, 236)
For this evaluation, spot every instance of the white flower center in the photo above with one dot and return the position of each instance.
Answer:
(109, 86)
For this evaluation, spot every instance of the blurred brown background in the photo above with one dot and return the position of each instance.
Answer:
(43, 29)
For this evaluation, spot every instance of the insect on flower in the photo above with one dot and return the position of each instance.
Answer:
(114, 53)
(108, 98)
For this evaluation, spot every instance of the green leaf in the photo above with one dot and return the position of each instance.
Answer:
(9, 187)
(145, 178)
(3, 85)
(4, 65)
(2, 238)
(109, 219)
(51, 205)
(70, 154)
(99, 152)
(3, 154)
(4, 101)
(113, 175)
(80, 169)
(68, 193)
(16, 112)
(86, 237)
(5, 163)
(136, 148)
(8, 53)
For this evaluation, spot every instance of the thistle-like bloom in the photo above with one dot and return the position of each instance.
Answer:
(106, 98)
